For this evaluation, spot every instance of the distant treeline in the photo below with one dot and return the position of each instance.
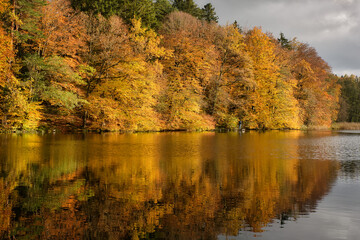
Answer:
(350, 99)
(155, 65)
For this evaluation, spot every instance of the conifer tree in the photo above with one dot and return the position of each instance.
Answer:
(209, 14)
(162, 9)
(188, 6)
(126, 9)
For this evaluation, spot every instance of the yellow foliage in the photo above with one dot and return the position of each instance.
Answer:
(127, 96)
(189, 71)
(316, 90)
(271, 103)
(6, 56)
(4, 6)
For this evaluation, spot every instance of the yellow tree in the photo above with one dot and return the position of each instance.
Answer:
(316, 89)
(189, 71)
(6, 55)
(288, 110)
(106, 47)
(57, 82)
(144, 72)
(15, 110)
(235, 74)
(130, 85)
(270, 103)
(64, 31)
(261, 103)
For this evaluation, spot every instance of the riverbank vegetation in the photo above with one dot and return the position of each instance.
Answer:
(148, 66)
(346, 126)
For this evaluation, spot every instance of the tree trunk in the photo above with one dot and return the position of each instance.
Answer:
(85, 116)
(4, 121)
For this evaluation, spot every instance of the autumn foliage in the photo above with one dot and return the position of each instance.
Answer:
(69, 69)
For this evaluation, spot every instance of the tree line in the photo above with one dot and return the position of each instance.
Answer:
(349, 99)
(153, 65)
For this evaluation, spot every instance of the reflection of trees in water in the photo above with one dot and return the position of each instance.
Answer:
(40, 189)
(214, 191)
(350, 169)
(221, 184)
(199, 209)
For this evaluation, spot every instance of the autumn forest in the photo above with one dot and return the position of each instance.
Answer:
(148, 65)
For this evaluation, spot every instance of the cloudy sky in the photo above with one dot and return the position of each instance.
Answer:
(330, 26)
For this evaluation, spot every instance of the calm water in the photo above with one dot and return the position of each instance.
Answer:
(272, 185)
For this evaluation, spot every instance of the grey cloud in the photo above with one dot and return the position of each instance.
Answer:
(331, 26)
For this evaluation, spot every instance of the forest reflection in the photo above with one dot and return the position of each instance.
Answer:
(158, 185)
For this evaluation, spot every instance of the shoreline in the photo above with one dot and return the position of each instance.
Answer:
(334, 126)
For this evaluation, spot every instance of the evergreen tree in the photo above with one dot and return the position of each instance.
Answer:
(140, 9)
(350, 99)
(209, 14)
(284, 42)
(162, 9)
(126, 9)
(106, 8)
(188, 6)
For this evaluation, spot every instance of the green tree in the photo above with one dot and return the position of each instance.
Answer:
(162, 9)
(188, 6)
(349, 99)
(126, 9)
(284, 42)
(26, 27)
(140, 9)
(106, 8)
(209, 14)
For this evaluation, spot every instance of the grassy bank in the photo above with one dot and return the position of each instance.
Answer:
(346, 126)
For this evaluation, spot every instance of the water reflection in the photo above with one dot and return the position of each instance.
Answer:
(159, 185)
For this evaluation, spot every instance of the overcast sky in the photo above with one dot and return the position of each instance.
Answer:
(330, 26)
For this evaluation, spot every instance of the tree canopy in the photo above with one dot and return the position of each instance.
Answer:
(154, 65)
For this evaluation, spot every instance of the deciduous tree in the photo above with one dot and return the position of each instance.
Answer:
(270, 103)
(188, 71)
(226, 93)
(317, 92)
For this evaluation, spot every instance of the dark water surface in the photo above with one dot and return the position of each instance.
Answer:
(272, 185)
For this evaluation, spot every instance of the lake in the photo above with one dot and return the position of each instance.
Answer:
(252, 185)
